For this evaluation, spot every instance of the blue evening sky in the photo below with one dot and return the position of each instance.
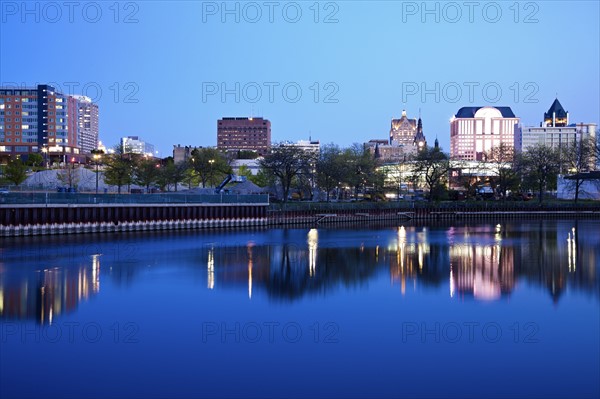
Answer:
(157, 68)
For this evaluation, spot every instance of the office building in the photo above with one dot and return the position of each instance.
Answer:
(134, 145)
(476, 130)
(246, 134)
(555, 130)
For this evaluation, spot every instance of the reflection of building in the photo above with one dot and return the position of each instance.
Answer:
(476, 130)
(484, 271)
(45, 295)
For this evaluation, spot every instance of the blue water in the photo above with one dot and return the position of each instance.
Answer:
(456, 310)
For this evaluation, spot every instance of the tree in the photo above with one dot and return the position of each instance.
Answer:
(540, 167)
(69, 175)
(118, 170)
(15, 172)
(358, 167)
(577, 158)
(432, 165)
(261, 179)
(330, 168)
(210, 165)
(502, 163)
(146, 172)
(34, 159)
(246, 154)
(172, 173)
(244, 170)
(285, 163)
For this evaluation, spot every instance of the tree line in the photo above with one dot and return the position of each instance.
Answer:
(348, 172)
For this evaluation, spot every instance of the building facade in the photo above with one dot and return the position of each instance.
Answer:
(407, 133)
(42, 120)
(182, 154)
(88, 124)
(476, 130)
(133, 145)
(249, 134)
(313, 146)
(555, 130)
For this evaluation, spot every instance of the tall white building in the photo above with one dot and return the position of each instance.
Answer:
(87, 121)
(476, 130)
(555, 131)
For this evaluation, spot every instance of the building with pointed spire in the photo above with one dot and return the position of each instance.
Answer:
(556, 115)
(407, 133)
(554, 131)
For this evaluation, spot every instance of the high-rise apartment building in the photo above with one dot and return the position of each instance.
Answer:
(476, 130)
(88, 125)
(43, 120)
(251, 134)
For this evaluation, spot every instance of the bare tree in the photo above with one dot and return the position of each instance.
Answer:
(541, 164)
(577, 158)
(432, 165)
(285, 163)
(502, 163)
(329, 168)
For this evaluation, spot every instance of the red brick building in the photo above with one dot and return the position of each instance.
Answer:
(250, 134)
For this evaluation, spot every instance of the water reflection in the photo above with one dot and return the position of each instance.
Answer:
(45, 294)
(482, 262)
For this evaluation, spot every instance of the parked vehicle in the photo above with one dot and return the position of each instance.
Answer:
(484, 193)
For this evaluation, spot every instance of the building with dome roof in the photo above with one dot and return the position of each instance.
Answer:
(476, 130)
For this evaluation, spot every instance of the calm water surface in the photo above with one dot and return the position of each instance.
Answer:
(457, 310)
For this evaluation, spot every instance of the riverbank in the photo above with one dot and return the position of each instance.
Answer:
(50, 219)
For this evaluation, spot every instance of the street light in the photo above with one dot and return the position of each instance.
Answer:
(97, 158)
(210, 172)
(45, 152)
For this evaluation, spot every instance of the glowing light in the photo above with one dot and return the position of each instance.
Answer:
(451, 283)
(96, 273)
(312, 240)
(210, 266)
(250, 245)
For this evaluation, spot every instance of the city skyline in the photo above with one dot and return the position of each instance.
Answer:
(359, 79)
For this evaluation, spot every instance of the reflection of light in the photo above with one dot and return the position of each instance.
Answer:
(96, 273)
(420, 256)
(572, 251)
(313, 238)
(250, 245)
(210, 266)
(401, 247)
(451, 283)
(498, 235)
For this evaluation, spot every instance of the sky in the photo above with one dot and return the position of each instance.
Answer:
(333, 71)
